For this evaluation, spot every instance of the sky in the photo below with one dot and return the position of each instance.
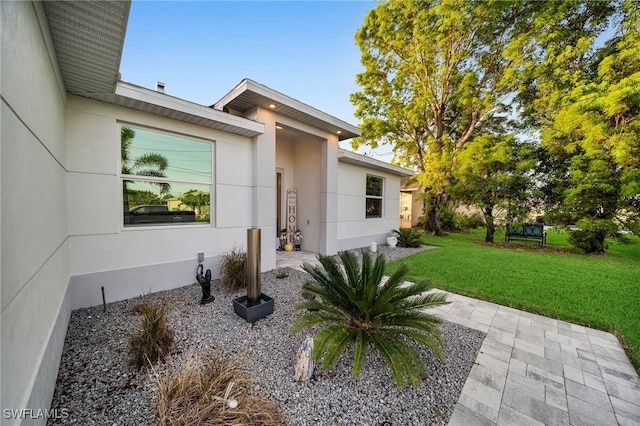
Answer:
(201, 50)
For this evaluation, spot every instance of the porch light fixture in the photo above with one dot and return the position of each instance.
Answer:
(272, 106)
(339, 132)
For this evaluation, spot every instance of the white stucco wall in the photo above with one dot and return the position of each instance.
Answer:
(308, 159)
(130, 262)
(354, 229)
(308, 185)
(34, 237)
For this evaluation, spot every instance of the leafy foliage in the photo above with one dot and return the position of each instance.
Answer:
(233, 269)
(155, 338)
(594, 132)
(200, 394)
(495, 171)
(436, 74)
(357, 310)
(197, 201)
(408, 237)
(451, 220)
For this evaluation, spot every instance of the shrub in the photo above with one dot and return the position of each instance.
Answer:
(590, 235)
(473, 221)
(356, 309)
(153, 342)
(211, 392)
(450, 220)
(408, 237)
(233, 269)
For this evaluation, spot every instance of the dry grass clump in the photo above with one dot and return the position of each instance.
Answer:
(154, 340)
(233, 269)
(212, 392)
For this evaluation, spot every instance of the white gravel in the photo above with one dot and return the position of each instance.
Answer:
(98, 386)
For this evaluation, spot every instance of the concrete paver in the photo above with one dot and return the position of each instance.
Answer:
(533, 370)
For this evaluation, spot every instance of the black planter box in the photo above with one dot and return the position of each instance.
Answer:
(253, 313)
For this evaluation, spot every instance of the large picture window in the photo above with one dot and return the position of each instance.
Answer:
(166, 179)
(374, 196)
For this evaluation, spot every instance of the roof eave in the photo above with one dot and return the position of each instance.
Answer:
(248, 94)
(372, 163)
(138, 98)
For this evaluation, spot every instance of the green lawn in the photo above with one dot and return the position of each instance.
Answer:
(597, 291)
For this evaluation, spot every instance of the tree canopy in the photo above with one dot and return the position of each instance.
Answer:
(443, 75)
(435, 75)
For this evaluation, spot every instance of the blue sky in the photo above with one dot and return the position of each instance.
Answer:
(202, 49)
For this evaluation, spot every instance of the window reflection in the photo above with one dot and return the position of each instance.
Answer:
(166, 179)
(374, 196)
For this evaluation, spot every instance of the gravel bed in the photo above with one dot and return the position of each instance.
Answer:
(97, 386)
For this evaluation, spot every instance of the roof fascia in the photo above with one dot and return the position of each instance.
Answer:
(372, 163)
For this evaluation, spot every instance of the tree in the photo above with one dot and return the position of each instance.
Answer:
(149, 164)
(597, 126)
(435, 75)
(495, 171)
(357, 310)
(196, 200)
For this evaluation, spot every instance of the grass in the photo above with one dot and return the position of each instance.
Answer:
(211, 391)
(233, 269)
(601, 292)
(153, 341)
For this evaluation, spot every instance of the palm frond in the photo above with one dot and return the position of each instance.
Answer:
(389, 353)
(327, 275)
(153, 160)
(322, 338)
(432, 341)
(350, 264)
(309, 320)
(355, 308)
(360, 350)
(405, 357)
(336, 344)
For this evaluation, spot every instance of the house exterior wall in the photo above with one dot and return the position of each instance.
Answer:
(354, 229)
(309, 162)
(130, 262)
(308, 183)
(264, 185)
(34, 236)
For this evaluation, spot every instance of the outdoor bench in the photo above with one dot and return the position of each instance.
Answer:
(526, 231)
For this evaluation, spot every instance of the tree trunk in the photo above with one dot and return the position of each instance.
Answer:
(490, 226)
(433, 207)
(432, 221)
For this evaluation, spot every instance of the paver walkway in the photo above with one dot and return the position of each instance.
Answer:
(534, 370)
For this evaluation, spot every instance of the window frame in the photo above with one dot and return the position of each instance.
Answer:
(152, 179)
(374, 197)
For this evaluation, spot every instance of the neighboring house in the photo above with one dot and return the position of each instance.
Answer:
(411, 203)
(65, 233)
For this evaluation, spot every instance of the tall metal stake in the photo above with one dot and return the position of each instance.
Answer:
(253, 266)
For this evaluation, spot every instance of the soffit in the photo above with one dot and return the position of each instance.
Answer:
(249, 94)
(88, 37)
(141, 99)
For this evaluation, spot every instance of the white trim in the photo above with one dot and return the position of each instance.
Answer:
(372, 163)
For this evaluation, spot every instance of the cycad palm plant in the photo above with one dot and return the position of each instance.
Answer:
(354, 307)
(408, 237)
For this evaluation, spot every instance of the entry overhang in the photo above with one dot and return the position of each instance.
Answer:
(249, 94)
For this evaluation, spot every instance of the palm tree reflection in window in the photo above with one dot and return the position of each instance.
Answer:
(149, 164)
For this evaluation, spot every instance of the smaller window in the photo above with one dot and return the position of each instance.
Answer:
(374, 196)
